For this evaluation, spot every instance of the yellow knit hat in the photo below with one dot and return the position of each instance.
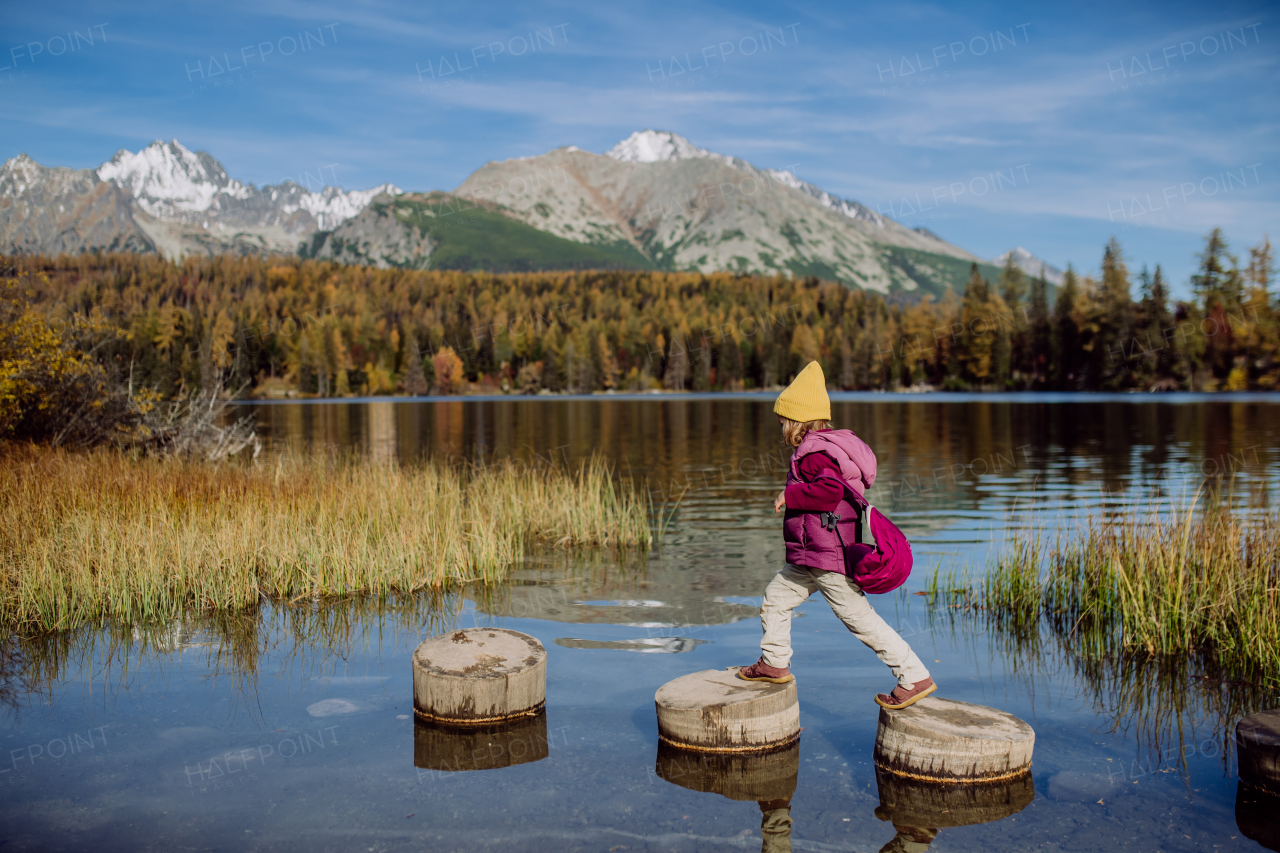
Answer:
(805, 399)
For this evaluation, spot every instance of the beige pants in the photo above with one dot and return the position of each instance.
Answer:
(775, 831)
(791, 586)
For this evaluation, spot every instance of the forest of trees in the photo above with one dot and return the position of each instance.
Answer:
(279, 326)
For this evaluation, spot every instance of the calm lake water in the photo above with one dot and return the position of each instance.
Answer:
(293, 729)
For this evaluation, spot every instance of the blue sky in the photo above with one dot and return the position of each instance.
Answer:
(1049, 126)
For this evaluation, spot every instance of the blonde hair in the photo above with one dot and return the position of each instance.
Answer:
(793, 432)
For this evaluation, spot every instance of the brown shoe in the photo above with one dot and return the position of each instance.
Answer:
(761, 671)
(901, 697)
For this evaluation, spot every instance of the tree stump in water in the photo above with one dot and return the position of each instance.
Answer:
(943, 740)
(478, 676)
(715, 711)
(1258, 746)
(753, 776)
(488, 746)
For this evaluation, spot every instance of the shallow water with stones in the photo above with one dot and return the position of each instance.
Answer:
(292, 728)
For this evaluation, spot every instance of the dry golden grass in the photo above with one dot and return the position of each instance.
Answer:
(90, 535)
(1196, 578)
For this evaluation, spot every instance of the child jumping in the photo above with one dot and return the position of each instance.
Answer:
(824, 460)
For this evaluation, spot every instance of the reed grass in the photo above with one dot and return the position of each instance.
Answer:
(1194, 578)
(88, 536)
(1162, 702)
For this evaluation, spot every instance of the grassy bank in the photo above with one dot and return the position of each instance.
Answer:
(1198, 579)
(90, 535)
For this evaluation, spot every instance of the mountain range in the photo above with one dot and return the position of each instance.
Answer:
(163, 199)
(654, 201)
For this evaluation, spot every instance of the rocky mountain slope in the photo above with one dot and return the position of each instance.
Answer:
(1031, 265)
(443, 231)
(163, 198)
(658, 201)
(687, 208)
(654, 201)
(173, 183)
(54, 210)
(655, 146)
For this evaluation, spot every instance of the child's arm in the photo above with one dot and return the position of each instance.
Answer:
(816, 492)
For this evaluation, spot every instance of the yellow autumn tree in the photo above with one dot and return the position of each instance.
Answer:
(37, 369)
(448, 368)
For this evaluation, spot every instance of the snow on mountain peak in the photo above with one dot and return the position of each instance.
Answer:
(170, 181)
(663, 146)
(787, 178)
(1030, 264)
(851, 209)
(334, 205)
(657, 146)
(18, 174)
(167, 178)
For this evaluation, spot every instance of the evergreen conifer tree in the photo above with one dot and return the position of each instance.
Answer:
(1065, 360)
(1263, 344)
(1154, 334)
(983, 356)
(1014, 330)
(1213, 281)
(1113, 343)
(1219, 284)
(1040, 331)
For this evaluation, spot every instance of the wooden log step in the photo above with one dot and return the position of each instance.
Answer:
(478, 676)
(1258, 747)
(944, 740)
(715, 711)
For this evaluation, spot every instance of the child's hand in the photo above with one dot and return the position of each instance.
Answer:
(780, 502)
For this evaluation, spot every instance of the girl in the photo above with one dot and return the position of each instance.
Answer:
(825, 460)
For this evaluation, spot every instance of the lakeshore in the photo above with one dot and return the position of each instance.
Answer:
(179, 700)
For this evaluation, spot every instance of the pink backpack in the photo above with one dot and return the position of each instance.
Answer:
(876, 570)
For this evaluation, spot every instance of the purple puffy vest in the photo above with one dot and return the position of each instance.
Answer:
(808, 543)
(812, 540)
